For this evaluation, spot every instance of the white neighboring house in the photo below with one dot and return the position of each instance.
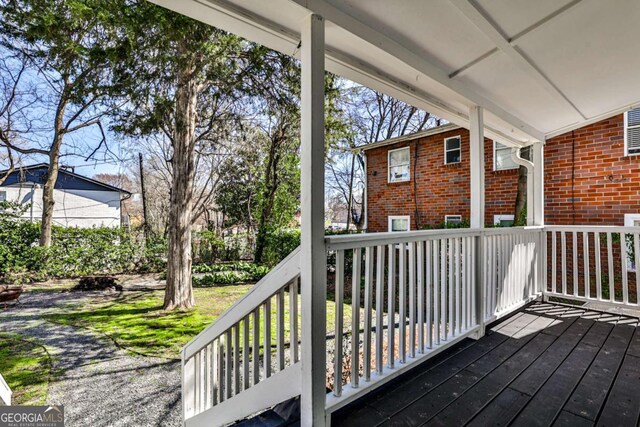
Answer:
(79, 201)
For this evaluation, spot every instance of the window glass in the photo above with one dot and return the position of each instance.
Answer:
(503, 220)
(399, 223)
(3, 196)
(452, 219)
(399, 165)
(452, 151)
(502, 158)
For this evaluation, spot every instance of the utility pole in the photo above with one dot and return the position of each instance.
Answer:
(145, 224)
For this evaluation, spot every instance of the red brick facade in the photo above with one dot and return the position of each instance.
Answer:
(442, 189)
(588, 180)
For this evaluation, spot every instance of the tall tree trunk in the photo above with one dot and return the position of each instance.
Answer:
(521, 198)
(270, 188)
(179, 291)
(48, 202)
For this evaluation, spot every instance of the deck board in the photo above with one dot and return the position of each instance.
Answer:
(546, 365)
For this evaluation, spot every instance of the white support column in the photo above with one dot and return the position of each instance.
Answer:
(538, 183)
(476, 132)
(313, 268)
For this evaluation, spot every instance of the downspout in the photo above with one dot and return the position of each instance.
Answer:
(517, 159)
(123, 197)
(365, 202)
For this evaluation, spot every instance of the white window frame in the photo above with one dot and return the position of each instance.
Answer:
(502, 217)
(391, 218)
(389, 180)
(495, 156)
(626, 138)
(628, 222)
(459, 138)
(449, 217)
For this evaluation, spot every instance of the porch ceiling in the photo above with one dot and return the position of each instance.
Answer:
(538, 68)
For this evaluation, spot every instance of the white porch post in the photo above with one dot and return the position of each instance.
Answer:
(476, 133)
(538, 182)
(313, 259)
(537, 156)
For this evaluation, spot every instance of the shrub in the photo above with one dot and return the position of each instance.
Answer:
(279, 244)
(74, 251)
(227, 278)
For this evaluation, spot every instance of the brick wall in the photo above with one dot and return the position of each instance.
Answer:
(605, 183)
(588, 180)
(438, 189)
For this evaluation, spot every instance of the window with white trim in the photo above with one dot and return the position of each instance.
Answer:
(503, 220)
(502, 159)
(399, 164)
(452, 219)
(400, 223)
(632, 132)
(3, 196)
(631, 220)
(452, 150)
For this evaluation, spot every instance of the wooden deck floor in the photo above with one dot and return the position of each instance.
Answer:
(546, 365)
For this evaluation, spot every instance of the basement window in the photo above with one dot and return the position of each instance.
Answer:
(502, 157)
(399, 163)
(452, 150)
(632, 132)
(3, 196)
(503, 220)
(450, 220)
(399, 223)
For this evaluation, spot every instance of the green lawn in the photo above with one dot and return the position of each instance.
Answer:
(136, 321)
(26, 367)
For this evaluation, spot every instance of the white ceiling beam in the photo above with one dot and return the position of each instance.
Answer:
(489, 29)
(518, 38)
(245, 24)
(417, 62)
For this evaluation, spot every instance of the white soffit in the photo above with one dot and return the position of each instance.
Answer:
(539, 68)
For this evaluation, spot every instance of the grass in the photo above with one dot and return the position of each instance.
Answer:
(26, 367)
(136, 321)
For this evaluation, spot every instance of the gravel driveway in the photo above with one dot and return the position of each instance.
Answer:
(101, 385)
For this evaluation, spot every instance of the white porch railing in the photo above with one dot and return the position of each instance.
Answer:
(420, 293)
(594, 263)
(398, 299)
(5, 393)
(231, 369)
